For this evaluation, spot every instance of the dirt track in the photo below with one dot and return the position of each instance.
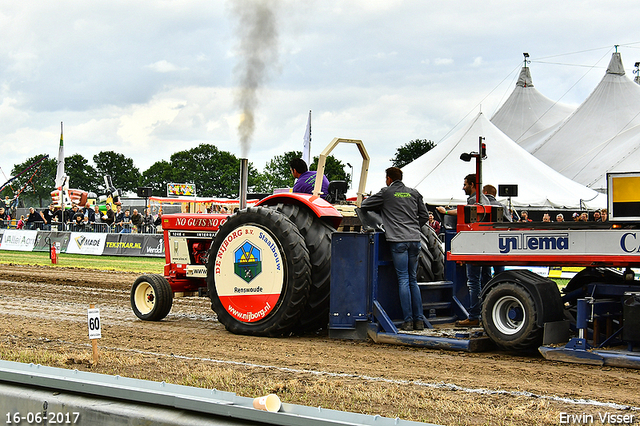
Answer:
(43, 310)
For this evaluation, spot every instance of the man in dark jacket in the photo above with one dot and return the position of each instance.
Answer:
(35, 219)
(403, 214)
(71, 214)
(89, 212)
(49, 214)
(4, 218)
(109, 216)
(136, 220)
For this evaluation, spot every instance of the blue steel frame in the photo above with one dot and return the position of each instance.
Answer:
(364, 296)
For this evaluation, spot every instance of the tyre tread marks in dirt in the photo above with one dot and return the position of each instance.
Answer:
(527, 339)
(297, 278)
(431, 259)
(317, 236)
(163, 297)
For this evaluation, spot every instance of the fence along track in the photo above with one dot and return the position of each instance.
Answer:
(139, 401)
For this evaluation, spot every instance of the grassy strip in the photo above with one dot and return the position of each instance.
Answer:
(358, 395)
(108, 263)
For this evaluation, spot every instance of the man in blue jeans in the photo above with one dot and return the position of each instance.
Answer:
(403, 214)
(474, 272)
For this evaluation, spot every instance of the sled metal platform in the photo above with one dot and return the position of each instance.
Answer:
(365, 302)
(578, 351)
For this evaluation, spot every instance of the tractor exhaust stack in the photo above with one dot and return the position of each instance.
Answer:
(244, 177)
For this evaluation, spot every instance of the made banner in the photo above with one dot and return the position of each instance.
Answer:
(18, 240)
(46, 238)
(86, 243)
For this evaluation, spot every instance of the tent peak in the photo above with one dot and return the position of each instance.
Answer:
(524, 80)
(615, 65)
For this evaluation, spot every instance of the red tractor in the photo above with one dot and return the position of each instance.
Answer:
(266, 268)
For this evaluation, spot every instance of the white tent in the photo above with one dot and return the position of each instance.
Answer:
(439, 173)
(600, 136)
(618, 154)
(527, 111)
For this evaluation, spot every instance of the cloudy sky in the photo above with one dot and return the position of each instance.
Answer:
(149, 78)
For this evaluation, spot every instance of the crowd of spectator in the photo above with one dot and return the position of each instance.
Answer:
(85, 219)
(598, 216)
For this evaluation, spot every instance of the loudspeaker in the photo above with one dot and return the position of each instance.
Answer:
(507, 190)
(144, 192)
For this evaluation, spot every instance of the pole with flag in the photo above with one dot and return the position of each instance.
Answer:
(62, 180)
(306, 147)
(60, 169)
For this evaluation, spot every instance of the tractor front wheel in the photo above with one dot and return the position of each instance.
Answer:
(151, 297)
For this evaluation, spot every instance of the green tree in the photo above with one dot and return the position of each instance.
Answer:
(37, 182)
(277, 173)
(124, 175)
(333, 169)
(215, 173)
(410, 151)
(81, 174)
(157, 177)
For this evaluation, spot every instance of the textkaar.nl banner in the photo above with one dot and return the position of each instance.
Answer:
(18, 240)
(86, 243)
(134, 245)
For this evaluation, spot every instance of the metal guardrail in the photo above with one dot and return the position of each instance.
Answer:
(147, 396)
(125, 228)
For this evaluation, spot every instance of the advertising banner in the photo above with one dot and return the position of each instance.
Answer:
(59, 239)
(181, 189)
(18, 240)
(86, 243)
(134, 245)
(153, 245)
(139, 245)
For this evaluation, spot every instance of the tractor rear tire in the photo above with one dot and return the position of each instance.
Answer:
(151, 297)
(431, 259)
(269, 299)
(317, 237)
(509, 316)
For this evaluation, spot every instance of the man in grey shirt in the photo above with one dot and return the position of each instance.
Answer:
(403, 214)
